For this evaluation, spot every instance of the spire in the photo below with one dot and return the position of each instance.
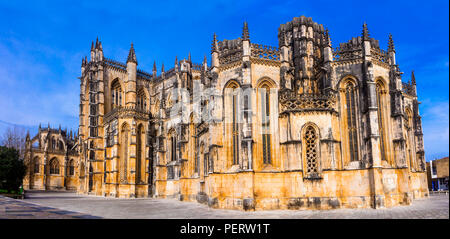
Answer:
(100, 46)
(189, 57)
(154, 66)
(214, 45)
(245, 33)
(327, 40)
(28, 135)
(204, 60)
(413, 78)
(96, 43)
(39, 126)
(132, 55)
(162, 67)
(365, 32)
(82, 62)
(391, 47)
(48, 126)
(92, 46)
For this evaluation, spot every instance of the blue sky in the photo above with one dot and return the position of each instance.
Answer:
(42, 43)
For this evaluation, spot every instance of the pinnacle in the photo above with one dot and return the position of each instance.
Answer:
(365, 32)
(245, 32)
(391, 47)
(214, 46)
(132, 55)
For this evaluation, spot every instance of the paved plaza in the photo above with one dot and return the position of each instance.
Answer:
(40, 204)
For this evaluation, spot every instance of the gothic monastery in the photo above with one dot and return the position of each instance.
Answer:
(298, 126)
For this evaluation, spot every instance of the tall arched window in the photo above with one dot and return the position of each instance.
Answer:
(53, 143)
(233, 93)
(172, 155)
(116, 94)
(36, 164)
(311, 139)
(54, 166)
(71, 167)
(139, 153)
(173, 148)
(194, 146)
(124, 153)
(380, 105)
(141, 100)
(91, 154)
(264, 90)
(350, 105)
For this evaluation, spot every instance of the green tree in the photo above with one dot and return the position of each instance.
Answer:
(12, 169)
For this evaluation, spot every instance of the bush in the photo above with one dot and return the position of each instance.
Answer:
(12, 170)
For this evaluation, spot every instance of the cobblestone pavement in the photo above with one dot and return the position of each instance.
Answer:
(18, 209)
(436, 206)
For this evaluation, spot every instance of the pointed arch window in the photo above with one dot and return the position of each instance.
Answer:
(54, 166)
(71, 167)
(139, 153)
(36, 165)
(381, 126)
(233, 94)
(194, 145)
(124, 153)
(141, 100)
(350, 101)
(235, 131)
(53, 143)
(265, 122)
(116, 94)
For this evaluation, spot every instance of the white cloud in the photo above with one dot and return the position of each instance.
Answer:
(435, 123)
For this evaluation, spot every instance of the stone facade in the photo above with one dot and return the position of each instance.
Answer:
(52, 160)
(301, 125)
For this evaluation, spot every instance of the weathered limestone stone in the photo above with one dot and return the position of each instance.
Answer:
(299, 126)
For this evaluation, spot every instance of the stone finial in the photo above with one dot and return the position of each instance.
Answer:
(39, 126)
(189, 57)
(214, 45)
(162, 67)
(83, 63)
(132, 55)
(391, 47)
(92, 46)
(28, 135)
(413, 78)
(100, 46)
(327, 40)
(245, 32)
(365, 32)
(204, 60)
